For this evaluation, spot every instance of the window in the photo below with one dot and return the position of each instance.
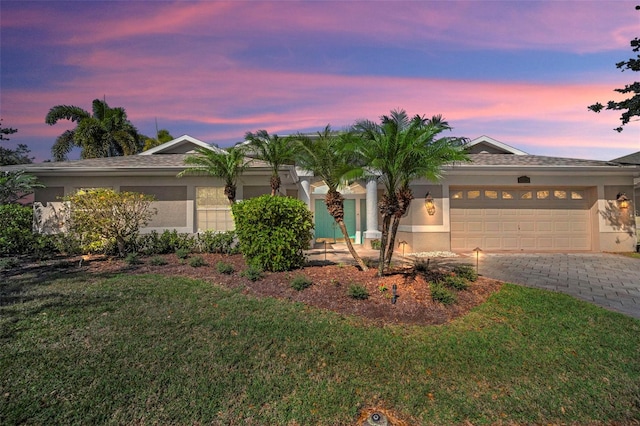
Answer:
(542, 195)
(212, 209)
(577, 195)
(492, 195)
(559, 194)
(507, 195)
(526, 195)
(472, 195)
(457, 195)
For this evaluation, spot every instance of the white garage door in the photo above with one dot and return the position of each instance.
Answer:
(532, 219)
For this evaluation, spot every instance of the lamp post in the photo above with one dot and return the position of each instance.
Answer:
(477, 250)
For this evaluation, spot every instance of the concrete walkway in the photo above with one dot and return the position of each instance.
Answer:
(607, 280)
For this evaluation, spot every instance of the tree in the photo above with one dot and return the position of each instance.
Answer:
(9, 157)
(16, 185)
(105, 133)
(629, 106)
(325, 158)
(162, 137)
(399, 150)
(101, 214)
(227, 165)
(274, 150)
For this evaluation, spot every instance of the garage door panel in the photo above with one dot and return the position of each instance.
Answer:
(549, 224)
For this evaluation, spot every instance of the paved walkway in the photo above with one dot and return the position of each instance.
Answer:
(607, 280)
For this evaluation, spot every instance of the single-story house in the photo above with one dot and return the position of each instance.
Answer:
(503, 200)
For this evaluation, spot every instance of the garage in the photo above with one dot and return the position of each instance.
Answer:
(522, 219)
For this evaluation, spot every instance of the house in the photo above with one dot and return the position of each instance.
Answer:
(503, 200)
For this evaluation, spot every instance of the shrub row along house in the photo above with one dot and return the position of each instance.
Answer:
(503, 200)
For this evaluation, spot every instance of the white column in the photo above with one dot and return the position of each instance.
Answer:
(372, 210)
(305, 194)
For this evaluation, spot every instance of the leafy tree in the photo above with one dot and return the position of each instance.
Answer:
(107, 132)
(15, 185)
(399, 149)
(104, 215)
(16, 234)
(163, 136)
(325, 158)
(273, 232)
(629, 106)
(227, 165)
(274, 150)
(9, 157)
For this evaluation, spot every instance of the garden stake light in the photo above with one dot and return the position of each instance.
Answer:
(477, 250)
(394, 292)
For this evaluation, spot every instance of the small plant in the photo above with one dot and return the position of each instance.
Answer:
(382, 288)
(440, 293)
(158, 261)
(421, 266)
(8, 263)
(225, 268)
(132, 259)
(358, 292)
(252, 273)
(300, 282)
(335, 282)
(455, 282)
(375, 244)
(197, 261)
(182, 253)
(466, 271)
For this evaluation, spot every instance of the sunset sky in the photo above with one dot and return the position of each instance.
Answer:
(520, 72)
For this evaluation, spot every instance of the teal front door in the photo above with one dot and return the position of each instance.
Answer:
(326, 227)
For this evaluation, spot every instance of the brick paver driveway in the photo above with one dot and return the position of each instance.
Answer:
(608, 280)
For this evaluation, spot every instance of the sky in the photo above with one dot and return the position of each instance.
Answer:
(521, 72)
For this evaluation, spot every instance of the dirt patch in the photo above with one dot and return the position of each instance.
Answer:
(330, 288)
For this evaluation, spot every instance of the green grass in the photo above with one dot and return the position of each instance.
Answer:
(150, 349)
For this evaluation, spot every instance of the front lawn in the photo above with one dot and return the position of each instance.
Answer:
(148, 349)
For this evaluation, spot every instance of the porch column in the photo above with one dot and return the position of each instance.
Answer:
(305, 194)
(372, 210)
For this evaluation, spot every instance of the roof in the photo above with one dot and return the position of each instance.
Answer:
(487, 145)
(181, 145)
(628, 159)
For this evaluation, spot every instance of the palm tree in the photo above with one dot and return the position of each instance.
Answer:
(324, 157)
(162, 136)
(105, 133)
(272, 149)
(227, 165)
(400, 150)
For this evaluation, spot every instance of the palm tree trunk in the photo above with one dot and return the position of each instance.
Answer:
(275, 184)
(386, 220)
(353, 252)
(404, 197)
(392, 241)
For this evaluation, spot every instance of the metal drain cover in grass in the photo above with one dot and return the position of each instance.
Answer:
(379, 417)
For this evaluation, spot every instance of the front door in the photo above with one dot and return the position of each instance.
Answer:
(326, 227)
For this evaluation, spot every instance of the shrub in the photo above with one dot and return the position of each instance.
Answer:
(300, 282)
(182, 253)
(158, 261)
(132, 259)
(420, 265)
(167, 242)
(455, 282)
(466, 271)
(358, 291)
(7, 263)
(375, 244)
(225, 268)
(99, 215)
(16, 235)
(197, 261)
(440, 293)
(217, 242)
(273, 232)
(252, 273)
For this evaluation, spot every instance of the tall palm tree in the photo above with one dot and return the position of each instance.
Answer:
(227, 165)
(401, 149)
(272, 149)
(324, 157)
(105, 133)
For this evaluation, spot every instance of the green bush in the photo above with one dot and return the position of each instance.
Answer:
(455, 282)
(375, 244)
(197, 261)
(358, 291)
(7, 263)
(16, 234)
(225, 268)
(273, 232)
(300, 282)
(165, 243)
(421, 266)
(133, 259)
(217, 242)
(467, 272)
(252, 273)
(439, 293)
(182, 253)
(158, 261)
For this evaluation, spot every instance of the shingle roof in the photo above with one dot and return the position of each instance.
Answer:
(533, 161)
(628, 159)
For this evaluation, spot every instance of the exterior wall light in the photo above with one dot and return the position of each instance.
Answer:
(623, 200)
(429, 204)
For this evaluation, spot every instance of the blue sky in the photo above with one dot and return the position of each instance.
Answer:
(520, 72)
